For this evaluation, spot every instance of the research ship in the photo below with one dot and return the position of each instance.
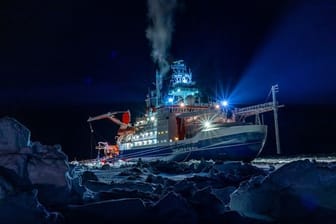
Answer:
(179, 125)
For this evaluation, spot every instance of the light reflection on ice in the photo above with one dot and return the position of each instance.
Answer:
(281, 160)
(94, 163)
(229, 183)
(112, 171)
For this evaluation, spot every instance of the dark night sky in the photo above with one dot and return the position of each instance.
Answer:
(86, 51)
(78, 53)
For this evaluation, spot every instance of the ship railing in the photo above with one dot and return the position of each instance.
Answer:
(202, 107)
(194, 105)
(255, 109)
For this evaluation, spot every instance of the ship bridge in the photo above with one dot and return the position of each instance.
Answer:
(180, 74)
(181, 85)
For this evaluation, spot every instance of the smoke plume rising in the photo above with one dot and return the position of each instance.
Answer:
(159, 33)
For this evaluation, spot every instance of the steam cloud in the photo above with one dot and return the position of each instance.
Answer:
(160, 12)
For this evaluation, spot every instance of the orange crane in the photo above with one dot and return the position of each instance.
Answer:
(126, 118)
(126, 128)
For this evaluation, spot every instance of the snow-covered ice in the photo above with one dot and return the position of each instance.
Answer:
(38, 181)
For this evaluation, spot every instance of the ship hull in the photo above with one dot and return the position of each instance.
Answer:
(236, 143)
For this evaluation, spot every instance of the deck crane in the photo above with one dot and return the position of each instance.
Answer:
(111, 115)
(126, 128)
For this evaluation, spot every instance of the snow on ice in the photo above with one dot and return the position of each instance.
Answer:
(38, 181)
(298, 191)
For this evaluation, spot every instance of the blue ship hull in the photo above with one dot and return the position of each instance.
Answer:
(234, 147)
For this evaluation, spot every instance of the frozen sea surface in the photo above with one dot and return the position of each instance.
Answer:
(38, 182)
(278, 161)
(263, 191)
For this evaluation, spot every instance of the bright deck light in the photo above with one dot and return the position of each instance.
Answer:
(207, 124)
(225, 103)
(170, 99)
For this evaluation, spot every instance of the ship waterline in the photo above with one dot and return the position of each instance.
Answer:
(237, 143)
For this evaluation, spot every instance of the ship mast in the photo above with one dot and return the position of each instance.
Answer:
(275, 89)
